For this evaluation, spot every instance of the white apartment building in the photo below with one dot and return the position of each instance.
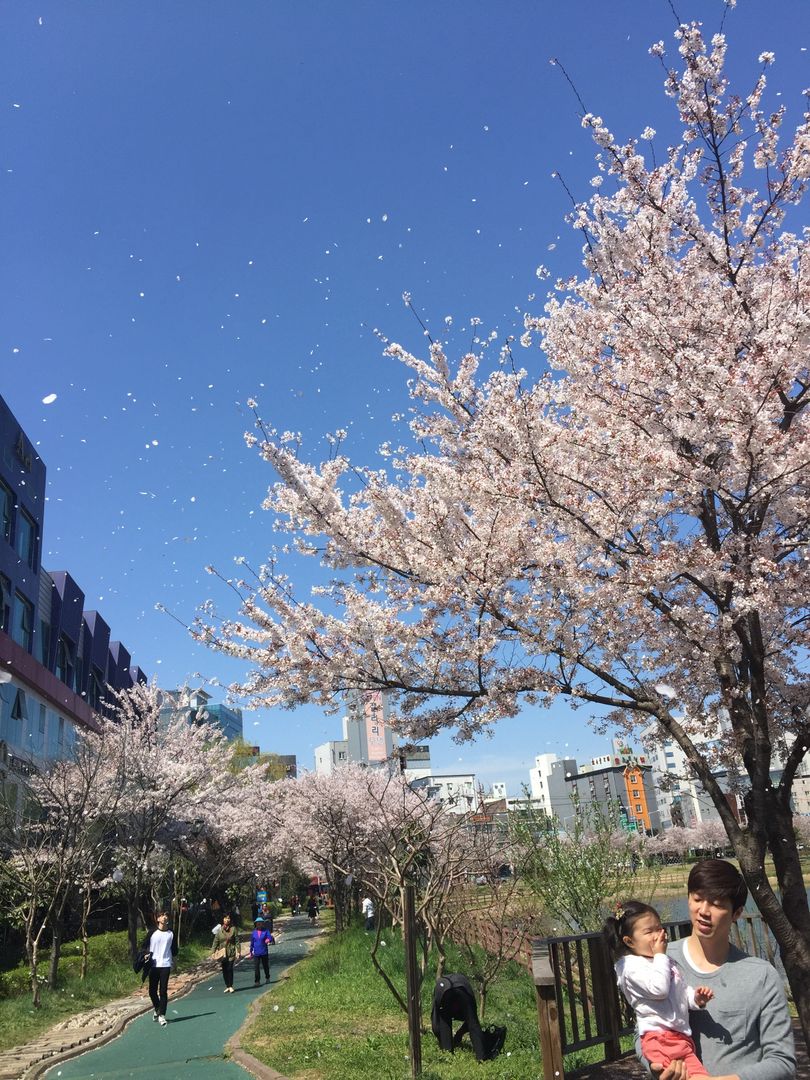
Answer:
(539, 781)
(456, 791)
(331, 755)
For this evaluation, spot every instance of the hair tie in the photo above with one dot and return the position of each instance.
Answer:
(618, 914)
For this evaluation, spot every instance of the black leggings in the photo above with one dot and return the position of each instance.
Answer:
(227, 971)
(159, 988)
(264, 960)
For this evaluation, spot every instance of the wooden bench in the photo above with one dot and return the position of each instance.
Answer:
(579, 1005)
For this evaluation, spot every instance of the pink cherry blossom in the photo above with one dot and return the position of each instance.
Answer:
(637, 516)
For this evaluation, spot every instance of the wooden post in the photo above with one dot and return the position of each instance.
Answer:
(412, 981)
(548, 1020)
(605, 997)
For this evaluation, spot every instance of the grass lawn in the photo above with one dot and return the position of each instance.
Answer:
(334, 1019)
(109, 976)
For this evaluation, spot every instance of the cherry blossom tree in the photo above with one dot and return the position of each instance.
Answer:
(60, 836)
(329, 820)
(630, 528)
(801, 826)
(417, 842)
(674, 843)
(242, 840)
(170, 776)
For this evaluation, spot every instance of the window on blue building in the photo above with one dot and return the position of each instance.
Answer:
(64, 662)
(95, 691)
(44, 642)
(23, 626)
(26, 538)
(5, 603)
(6, 508)
(19, 709)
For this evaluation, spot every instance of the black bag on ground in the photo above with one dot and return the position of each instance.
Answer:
(494, 1039)
(454, 999)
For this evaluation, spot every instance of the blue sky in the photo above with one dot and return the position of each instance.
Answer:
(204, 202)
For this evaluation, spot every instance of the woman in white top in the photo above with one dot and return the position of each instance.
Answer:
(162, 951)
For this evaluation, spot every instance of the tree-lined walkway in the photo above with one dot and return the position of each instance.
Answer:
(200, 1025)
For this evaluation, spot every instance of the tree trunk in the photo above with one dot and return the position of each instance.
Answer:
(788, 917)
(32, 955)
(85, 951)
(339, 898)
(57, 930)
(132, 923)
(86, 904)
(441, 962)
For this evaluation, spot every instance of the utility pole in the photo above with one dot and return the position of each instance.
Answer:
(412, 986)
(412, 982)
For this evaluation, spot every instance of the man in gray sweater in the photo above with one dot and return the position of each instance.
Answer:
(744, 1033)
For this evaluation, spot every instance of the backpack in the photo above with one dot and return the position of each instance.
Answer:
(494, 1039)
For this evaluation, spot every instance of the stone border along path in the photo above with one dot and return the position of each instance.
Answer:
(88, 1030)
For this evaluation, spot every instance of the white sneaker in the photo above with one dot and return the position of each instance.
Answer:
(154, 1016)
(162, 1021)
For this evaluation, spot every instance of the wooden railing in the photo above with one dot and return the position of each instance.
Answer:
(578, 1002)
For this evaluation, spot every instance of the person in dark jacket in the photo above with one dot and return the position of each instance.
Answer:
(454, 999)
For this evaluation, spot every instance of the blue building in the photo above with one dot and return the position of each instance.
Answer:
(196, 707)
(58, 663)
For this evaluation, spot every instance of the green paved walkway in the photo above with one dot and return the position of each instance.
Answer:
(200, 1024)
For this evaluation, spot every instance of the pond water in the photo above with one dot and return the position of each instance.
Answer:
(676, 909)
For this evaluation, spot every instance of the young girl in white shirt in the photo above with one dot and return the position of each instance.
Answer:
(654, 987)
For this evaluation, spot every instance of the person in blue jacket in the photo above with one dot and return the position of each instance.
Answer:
(260, 940)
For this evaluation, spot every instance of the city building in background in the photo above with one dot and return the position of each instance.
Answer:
(457, 791)
(682, 801)
(621, 779)
(59, 665)
(279, 766)
(368, 739)
(196, 707)
(539, 781)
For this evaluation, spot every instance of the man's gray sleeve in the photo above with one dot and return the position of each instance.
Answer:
(775, 1034)
(745, 1028)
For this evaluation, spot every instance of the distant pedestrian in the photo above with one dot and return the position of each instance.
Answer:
(226, 949)
(312, 910)
(367, 907)
(260, 939)
(266, 913)
(162, 950)
(294, 905)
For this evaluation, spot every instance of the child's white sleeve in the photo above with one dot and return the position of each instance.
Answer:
(648, 977)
